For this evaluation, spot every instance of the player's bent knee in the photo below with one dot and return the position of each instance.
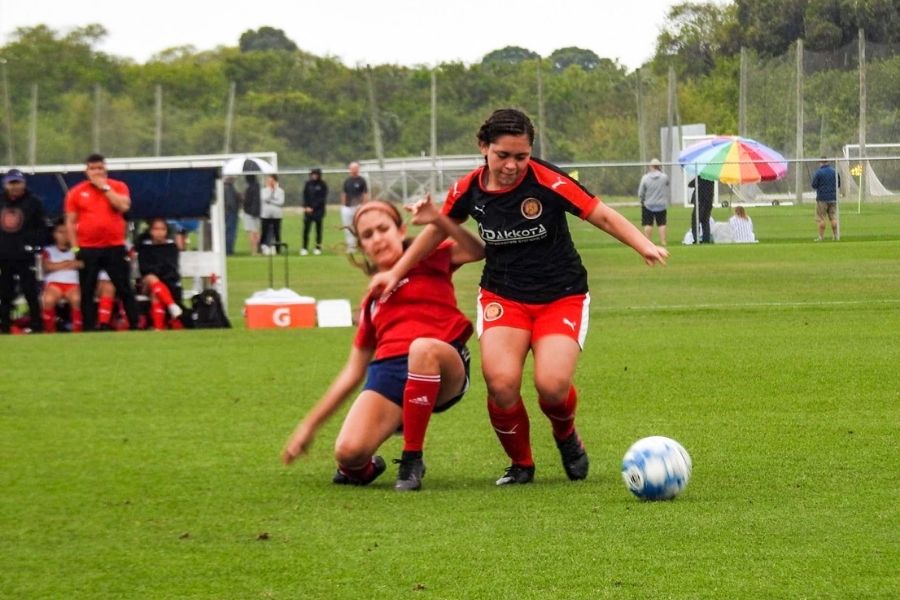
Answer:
(425, 353)
(350, 454)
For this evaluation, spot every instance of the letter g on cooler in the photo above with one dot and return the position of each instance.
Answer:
(281, 317)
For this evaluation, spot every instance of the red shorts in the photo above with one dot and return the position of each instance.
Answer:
(64, 288)
(567, 316)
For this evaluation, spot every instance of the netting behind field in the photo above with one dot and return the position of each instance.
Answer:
(830, 84)
(315, 111)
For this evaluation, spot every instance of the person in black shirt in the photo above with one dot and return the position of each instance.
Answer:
(158, 264)
(22, 230)
(534, 294)
(315, 194)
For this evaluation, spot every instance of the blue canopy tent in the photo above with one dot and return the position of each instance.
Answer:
(173, 187)
(168, 193)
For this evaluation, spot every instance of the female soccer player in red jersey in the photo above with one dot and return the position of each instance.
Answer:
(410, 349)
(534, 293)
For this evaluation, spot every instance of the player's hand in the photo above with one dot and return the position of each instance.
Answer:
(299, 444)
(383, 283)
(97, 179)
(655, 254)
(423, 211)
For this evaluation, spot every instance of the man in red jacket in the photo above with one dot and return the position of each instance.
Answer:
(95, 217)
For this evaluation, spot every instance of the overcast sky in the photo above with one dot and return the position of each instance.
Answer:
(406, 32)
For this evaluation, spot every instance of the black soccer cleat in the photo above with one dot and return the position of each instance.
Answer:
(517, 474)
(410, 474)
(341, 478)
(574, 458)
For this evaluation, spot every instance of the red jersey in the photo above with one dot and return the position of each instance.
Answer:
(98, 224)
(529, 254)
(422, 305)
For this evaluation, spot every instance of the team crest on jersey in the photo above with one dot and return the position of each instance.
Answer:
(532, 208)
(11, 220)
(493, 311)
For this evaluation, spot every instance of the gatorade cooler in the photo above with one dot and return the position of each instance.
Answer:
(279, 309)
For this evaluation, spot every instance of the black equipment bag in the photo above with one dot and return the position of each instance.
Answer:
(207, 311)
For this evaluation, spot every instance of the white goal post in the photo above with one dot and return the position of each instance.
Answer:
(875, 153)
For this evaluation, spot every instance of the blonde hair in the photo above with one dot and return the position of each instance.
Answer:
(740, 213)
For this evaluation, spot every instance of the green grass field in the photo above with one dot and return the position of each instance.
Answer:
(145, 465)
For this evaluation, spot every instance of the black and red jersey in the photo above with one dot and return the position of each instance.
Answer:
(529, 254)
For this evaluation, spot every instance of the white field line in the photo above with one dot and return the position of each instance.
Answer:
(717, 305)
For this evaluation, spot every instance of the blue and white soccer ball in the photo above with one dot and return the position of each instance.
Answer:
(656, 468)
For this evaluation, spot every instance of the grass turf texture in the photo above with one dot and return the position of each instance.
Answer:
(145, 465)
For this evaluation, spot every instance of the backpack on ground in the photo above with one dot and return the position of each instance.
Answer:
(207, 311)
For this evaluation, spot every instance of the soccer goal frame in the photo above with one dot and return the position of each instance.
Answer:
(852, 158)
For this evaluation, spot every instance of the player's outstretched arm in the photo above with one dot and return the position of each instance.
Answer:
(340, 389)
(612, 222)
(428, 239)
(468, 247)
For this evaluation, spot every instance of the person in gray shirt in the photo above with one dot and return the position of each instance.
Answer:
(354, 192)
(654, 194)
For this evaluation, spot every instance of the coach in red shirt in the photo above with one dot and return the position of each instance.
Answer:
(95, 219)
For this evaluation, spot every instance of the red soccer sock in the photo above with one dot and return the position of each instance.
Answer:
(48, 316)
(561, 415)
(162, 293)
(512, 429)
(77, 322)
(158, 315)
(363, 474)
(104, 312)
(419, 397)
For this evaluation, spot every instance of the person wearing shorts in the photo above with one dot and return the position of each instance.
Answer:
(534, 293)
(409, 348)
(60, 269)
(654, 194)
(826, 182)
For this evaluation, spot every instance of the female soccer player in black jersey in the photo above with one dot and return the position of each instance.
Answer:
(533, 293)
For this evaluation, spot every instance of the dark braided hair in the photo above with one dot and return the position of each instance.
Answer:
(506, 121)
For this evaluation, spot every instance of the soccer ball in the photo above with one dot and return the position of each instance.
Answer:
(656, 468)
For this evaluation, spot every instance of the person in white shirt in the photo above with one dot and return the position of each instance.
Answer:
(742, 227)
(60, 268)
(272, 201)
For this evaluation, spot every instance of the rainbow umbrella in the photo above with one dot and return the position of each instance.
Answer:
(732, 159)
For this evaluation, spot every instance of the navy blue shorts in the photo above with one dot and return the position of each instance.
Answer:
(388, 377)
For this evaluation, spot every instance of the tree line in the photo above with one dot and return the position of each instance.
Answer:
(63, 97)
